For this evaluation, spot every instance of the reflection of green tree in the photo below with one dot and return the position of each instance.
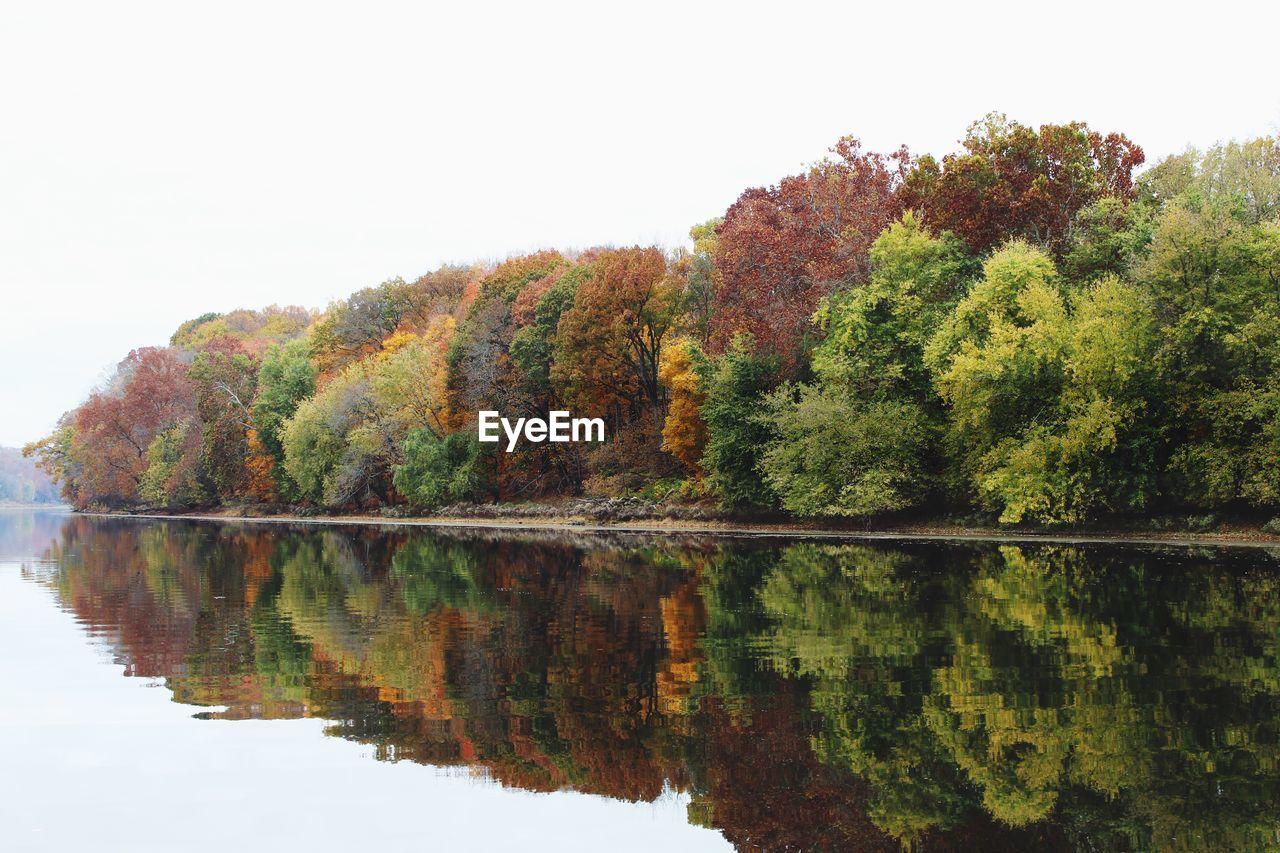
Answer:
(281, 656)
(1035, 688)
(850, 620)
(1141, 705)
(325, 592)
(436, 572)
(333, 599)
(163, 553)
(732, 668)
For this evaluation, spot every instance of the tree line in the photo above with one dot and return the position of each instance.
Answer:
(1032, 327)
(22, 481)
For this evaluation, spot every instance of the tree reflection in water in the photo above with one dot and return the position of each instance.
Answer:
(810, 696)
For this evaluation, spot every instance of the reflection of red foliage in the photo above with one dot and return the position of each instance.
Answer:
(581, 672)
(766, 790)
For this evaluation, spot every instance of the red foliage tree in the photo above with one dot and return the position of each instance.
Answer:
(1012, 181)
(781, 249)
(149, 393)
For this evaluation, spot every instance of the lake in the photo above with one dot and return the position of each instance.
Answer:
(222, 686)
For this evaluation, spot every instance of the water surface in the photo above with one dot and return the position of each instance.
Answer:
(319, 687)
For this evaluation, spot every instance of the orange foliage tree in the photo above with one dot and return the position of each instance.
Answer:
(609, 343)
(685, 432)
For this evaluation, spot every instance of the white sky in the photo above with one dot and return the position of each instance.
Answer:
(160, 160)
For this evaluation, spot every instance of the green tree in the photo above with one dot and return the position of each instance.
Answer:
(318, 459)
(735, 385)
(173, 475)
(1213, 269)
(439, 471)
(833, 455)
(862, 438)
(1047, 391)
(285, 379)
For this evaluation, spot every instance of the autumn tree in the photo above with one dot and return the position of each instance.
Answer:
(285, 379)
(684, 433)
(781, 249)
(500, 360)
(702, 281)
(112, 431)
(609, 344)
(478, 355)
(224, 378)
(436, 293)
(1014, 181)
(357, 326)
(253, 330)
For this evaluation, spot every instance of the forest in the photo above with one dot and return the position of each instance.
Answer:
(1038, 328)
(22, 481)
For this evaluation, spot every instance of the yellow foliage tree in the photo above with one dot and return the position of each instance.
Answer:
(684, 433)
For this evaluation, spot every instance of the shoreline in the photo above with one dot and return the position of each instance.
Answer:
(1245, 538)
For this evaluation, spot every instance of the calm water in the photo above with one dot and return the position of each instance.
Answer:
(188, 685)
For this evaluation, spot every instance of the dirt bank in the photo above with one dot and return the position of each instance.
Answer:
(1233, 535)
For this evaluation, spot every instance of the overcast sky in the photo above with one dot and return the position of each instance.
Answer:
(162, 160)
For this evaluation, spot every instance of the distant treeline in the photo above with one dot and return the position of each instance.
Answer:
(22, 481)
(1032, 327)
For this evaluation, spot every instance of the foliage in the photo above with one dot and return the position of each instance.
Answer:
(104, 445)
(172, 477)
(357, 326)
(253, 331)
(684, 433)
(875, 335)
(285, 379)
(1026, 327)
(609, 344)
(861, 439)
(702, 281)
(781, 249)
(1047, 392)
(317, 457)
(224, 378)
(735, 384)
(833, 456)
(439, 471)
(1013, 181)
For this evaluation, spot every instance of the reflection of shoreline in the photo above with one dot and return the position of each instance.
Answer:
(1251, 537)
(805, 695)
